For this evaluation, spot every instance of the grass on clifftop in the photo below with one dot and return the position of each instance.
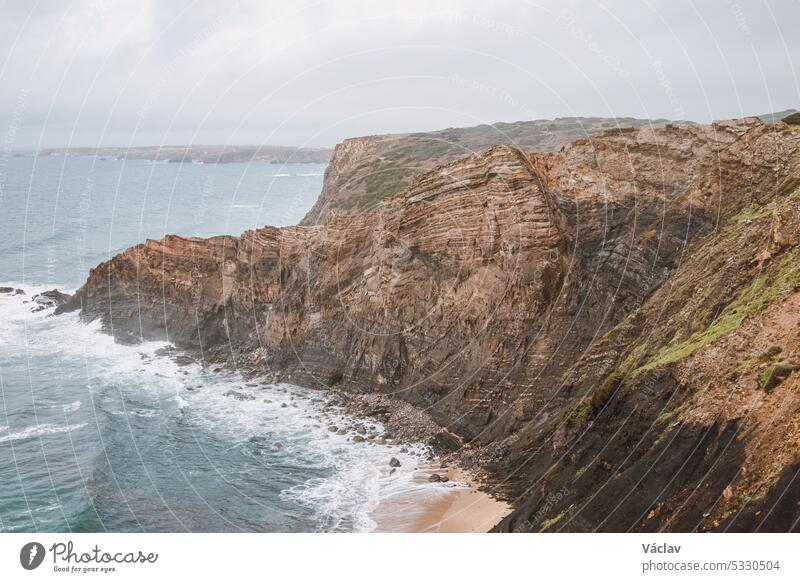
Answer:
(754, 212)
(793, 119)
(758, 296)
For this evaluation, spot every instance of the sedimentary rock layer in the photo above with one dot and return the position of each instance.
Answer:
(365, 170)
(534, 303)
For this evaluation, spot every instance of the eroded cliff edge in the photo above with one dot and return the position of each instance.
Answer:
(572, 316)
(365, 170)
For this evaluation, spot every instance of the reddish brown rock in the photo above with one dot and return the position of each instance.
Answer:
(499, 292)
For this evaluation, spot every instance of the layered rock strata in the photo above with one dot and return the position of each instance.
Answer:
(550, 310)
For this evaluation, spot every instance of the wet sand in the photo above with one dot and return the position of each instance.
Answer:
(453, 507)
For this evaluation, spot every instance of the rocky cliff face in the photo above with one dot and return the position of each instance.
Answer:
(592, 323)
(365, 170)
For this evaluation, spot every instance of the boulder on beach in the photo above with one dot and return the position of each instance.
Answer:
(393, 462)
(435, 478)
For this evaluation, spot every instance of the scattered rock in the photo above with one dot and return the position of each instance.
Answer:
(435, 478)
(239, 395)
(393, 462)
(48, 299)
(183, 360)
(445, 441)
(358, 439)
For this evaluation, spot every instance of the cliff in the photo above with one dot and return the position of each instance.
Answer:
(365, 170)
(616, 321)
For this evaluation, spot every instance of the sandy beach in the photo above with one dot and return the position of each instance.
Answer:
(453, 507)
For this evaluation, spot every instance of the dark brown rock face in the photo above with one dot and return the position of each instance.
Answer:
(502, 292)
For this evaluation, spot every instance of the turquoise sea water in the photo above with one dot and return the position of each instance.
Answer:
(96, 436)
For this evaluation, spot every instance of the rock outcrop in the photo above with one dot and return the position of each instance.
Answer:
(365, 170)
(549, 309)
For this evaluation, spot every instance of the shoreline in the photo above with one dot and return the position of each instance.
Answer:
(452, 504)
(460, 507)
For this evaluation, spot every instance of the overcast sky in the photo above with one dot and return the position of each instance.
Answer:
(88, 73)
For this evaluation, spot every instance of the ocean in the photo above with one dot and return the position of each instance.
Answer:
(96, 436)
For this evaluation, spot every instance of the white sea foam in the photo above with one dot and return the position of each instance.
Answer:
(356, 476)
(65, 338)
(40, 430)
(72, 407)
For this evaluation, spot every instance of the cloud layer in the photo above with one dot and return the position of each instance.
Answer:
(312, 73)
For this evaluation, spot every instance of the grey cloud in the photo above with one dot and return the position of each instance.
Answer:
(114, 73)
